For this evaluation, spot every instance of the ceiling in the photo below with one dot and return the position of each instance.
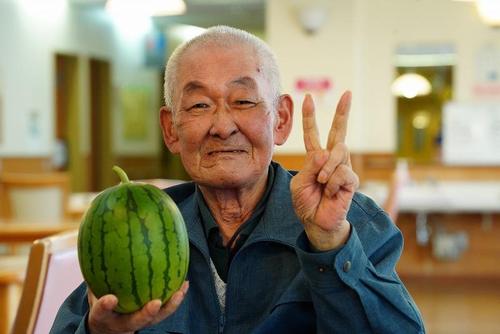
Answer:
(247, 14)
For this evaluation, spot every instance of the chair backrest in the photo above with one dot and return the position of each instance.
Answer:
(36, 196)
(399, 178)
(53, 273)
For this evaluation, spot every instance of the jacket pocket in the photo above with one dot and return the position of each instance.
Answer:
(288, 318)
(293, 312)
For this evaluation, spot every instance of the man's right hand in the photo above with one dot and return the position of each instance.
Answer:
(103, 320)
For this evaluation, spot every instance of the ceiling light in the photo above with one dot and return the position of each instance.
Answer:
(410, 85)
(147, 7)
(489, 11)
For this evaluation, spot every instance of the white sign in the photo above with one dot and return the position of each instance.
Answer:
(471, 134)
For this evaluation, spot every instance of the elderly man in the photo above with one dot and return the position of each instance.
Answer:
(271, 252)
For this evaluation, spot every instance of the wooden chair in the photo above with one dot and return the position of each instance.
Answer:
(12, 270)
(35, 196)
(53, 272)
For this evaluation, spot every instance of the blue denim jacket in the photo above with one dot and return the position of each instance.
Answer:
(275, 285)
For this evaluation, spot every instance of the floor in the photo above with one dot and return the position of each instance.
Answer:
(468, 308)
(460, 296)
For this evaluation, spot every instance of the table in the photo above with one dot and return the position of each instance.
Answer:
(78, 203)
(13, 231)
(423, 198)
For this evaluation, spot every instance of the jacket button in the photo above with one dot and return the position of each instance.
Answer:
(347, 266)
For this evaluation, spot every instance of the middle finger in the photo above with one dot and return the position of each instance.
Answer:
(338, 131)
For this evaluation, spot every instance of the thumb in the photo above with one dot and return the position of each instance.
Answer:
(103, 306)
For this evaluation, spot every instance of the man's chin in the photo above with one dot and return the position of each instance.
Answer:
(224, 182)
(227, 178)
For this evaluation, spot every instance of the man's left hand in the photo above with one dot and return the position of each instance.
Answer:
(322, 191)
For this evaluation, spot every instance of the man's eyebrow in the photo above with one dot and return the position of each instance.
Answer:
(246, 81)
(193, 86)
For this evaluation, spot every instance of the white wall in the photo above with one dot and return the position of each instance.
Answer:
(356, 48)
(29, 39)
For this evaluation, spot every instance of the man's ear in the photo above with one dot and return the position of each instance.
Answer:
(169, 133)
(284, 121)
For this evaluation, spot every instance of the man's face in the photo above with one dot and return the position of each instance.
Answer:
(223, 124)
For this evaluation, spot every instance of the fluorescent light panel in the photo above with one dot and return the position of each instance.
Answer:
(146, 7)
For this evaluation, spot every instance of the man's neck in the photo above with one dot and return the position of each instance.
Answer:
(232, 207)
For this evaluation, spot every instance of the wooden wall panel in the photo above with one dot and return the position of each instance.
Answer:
(380, 166)
(290, 161)
(140, 167)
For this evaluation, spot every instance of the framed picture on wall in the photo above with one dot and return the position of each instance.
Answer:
(136, 101)
(1, 112)
(1, 107)
(137, 128)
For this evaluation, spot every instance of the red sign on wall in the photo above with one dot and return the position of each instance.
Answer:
(321, 84)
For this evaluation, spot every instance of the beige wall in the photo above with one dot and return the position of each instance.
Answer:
(356, 49)
(30, 36)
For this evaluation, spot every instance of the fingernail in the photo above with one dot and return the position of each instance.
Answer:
(156, 305)
(178, 298)
(185, 287)
(322, 177)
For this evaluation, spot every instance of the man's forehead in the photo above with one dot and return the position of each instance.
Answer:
(239, 82)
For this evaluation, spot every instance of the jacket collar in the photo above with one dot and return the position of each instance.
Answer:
(190, 213)
(279, 222)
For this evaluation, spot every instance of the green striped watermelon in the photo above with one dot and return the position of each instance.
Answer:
(133, 244)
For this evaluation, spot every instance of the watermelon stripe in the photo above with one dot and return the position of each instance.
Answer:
(103, 267)
(84, 242)
(147, 242)
(98, 266)
(164, 225)
(132, 208)
(181, 237)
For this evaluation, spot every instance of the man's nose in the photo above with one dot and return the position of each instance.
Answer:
(223, 124)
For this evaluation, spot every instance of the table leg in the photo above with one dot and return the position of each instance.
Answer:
(10, 294)
(487, 221)
(422, 228)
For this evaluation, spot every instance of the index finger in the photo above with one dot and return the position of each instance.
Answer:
(311, 135)
(338, 131)
(102, 316)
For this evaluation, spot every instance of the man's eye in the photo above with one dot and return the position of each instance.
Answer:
(198, 106)
(245, 103)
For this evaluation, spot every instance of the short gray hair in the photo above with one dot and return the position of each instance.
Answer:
(223, 36)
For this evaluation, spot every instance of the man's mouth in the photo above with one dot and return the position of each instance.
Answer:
(226, 152)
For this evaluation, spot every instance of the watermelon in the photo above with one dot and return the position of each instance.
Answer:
(133, 243)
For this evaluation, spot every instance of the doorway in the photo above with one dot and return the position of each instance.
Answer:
(419, 122)
(101, 156)
(68, 155)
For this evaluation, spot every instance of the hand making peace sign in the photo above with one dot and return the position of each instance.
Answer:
(322, 191)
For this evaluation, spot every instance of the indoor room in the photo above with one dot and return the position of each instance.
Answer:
(82, 83)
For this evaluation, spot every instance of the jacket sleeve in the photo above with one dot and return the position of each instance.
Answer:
(72, 314)
(355, 289)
